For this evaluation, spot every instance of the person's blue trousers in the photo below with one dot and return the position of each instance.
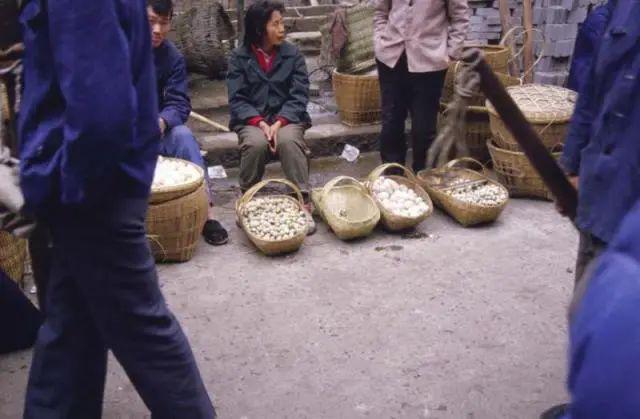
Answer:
(103, 294)
(179, 142)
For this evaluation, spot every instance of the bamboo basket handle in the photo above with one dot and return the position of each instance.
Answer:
(379, 171)
(248, 196)
(510, 32)
(342, 179)
(456, 163)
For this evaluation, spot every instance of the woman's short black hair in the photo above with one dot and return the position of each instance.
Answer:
(256, 19)
(162, 8)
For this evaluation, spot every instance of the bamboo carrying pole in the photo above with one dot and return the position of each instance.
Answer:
(208, 121)
(565, 194)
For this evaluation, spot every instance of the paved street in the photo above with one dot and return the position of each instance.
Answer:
(445, 323)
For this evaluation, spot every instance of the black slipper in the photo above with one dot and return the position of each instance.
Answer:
(556, 412)
(214, 233)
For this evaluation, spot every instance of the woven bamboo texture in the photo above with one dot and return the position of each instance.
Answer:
(477, 131)
(497, 56)
(516, 173)
(358, 98)
(437, 181)
(271, 247)
(168, 193)
(204, 34)
(547, 108)
(346, 206)
(174, 227)
(13, 255)
(358, 55)
(391, 221)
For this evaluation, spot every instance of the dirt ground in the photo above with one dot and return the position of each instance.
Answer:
(445, 323)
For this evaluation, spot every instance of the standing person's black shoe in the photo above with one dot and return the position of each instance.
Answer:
(214, 233)
(556, 412)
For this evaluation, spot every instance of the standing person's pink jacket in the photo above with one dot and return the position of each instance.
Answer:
(431, 32)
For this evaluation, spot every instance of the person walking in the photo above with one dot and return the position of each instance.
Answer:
(414, 42)
(89, 144)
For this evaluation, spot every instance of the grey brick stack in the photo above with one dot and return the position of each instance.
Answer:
(557, 19)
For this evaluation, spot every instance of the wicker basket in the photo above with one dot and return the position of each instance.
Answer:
(497, 56)
(547, 108)
(358, 98)
(168, 193)
(391, 221)
(271, 247)
(13, 255)
(477, 131)
(204, 34)
(437, 181)
(174, 227)
(516, 173)
(345, 205)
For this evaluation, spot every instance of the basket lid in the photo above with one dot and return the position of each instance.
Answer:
(542, 103)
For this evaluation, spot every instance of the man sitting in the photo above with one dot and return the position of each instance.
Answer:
(175, 105)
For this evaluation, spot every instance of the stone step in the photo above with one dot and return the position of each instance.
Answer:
(322, 139)
(308, 42)
(298, 24)
(320, 10)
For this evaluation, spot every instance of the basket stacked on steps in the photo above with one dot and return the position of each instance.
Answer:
(549, 110)
(355, 80)
(176, 217)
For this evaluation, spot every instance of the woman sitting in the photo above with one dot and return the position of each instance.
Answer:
(268, 94)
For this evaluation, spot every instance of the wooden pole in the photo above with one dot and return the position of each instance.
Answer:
(528, 40)
(505, 22)
(208, 121)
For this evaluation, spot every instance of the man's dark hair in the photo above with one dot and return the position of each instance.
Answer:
(256, 19)
(162, 8)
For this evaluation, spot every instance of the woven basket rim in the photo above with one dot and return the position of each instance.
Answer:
(157, 194)
(540, 116)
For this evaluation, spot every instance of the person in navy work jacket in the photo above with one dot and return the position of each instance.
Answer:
(604, 372)
(602, 151)
(89, 144)
(175, 105)
(589, 36)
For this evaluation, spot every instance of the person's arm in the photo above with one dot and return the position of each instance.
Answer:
(381, 10)
(296, 105)
(458, 13)
(93, 65)
(580, 127)
(176, 105)
(240, 103)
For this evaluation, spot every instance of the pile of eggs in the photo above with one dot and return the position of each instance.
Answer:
(398, 198)
(173, 172)
(485, 194)
(274, 218)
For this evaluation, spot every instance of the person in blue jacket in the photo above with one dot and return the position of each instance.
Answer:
(602, 151)
(89, 144)
(175, 105)
(604, 372)
(589, 35)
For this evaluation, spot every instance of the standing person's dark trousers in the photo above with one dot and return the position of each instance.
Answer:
(416, 94)
(105, 288)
